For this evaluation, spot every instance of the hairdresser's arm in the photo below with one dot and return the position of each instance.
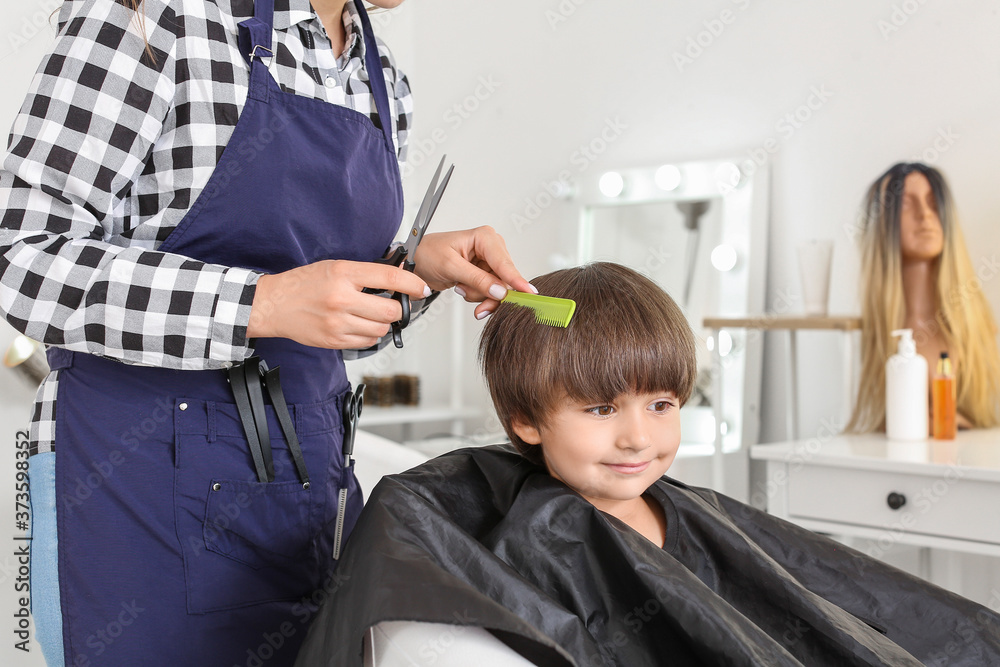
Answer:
(474, 261)
(323, 305)
(68, 275)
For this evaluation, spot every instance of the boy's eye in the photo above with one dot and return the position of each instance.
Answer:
(602, 410)
(662, 406)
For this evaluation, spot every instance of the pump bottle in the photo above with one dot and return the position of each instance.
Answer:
(906, 391)
(943, 400)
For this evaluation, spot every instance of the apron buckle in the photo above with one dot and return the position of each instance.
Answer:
(253, 54)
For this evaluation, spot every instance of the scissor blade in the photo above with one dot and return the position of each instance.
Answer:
(420, 220)
(437, 199)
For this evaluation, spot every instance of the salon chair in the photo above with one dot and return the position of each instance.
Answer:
(409, 643)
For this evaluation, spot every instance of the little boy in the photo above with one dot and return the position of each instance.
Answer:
(598, 404)
(576, 550)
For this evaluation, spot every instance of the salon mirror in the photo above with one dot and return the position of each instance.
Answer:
(699, 230)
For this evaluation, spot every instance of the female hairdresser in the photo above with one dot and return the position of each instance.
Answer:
(129, 235)
(916, 274)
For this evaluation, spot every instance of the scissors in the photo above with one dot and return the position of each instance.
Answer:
(403, 257)
(354, 401)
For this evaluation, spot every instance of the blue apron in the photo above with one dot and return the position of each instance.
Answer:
(171, 552)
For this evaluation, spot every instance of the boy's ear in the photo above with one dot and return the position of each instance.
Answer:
(525, 431)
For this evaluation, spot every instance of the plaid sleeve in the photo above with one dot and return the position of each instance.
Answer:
(94, 111)
(404, 112)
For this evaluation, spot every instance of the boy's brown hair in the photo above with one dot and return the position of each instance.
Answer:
(627, 336)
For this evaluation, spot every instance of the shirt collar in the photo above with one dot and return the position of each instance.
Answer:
(291, 12)
(355, 45)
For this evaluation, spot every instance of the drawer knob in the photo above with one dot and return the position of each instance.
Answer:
(896, 500)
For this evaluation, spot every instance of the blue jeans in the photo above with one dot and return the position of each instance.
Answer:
(45, 607)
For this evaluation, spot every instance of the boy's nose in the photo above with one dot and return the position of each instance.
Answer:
(634, 433)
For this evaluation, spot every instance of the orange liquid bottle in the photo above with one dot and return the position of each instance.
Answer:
(943, 400)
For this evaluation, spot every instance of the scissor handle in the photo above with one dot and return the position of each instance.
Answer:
(353, 403)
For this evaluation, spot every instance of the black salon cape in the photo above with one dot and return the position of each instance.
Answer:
(482, 537)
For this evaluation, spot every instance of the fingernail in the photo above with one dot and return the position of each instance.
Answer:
(427, 291)
(497, 292)
(533, 288)
(459, 291)
(483, 315)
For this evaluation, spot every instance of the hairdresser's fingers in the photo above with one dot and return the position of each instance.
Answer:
(485, 309)
(322, 304)
(475, 260)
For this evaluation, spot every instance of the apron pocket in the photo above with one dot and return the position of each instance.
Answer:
(246, 542)
(260, 524)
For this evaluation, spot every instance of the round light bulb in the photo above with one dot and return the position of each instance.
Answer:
(667, 177)
(611, 184)
(725, 343)
(724, 257)
(728, 175)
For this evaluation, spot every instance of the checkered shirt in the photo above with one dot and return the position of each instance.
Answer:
(111, 148)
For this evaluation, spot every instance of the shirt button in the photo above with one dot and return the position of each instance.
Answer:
(183, 406)
(227, 364)
(331, 82)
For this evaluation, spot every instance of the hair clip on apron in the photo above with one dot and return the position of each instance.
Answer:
(249, 380)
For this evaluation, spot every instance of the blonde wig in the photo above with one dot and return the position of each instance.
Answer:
(962, 312)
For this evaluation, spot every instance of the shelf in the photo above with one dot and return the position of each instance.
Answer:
(373, 415)
(777, 322)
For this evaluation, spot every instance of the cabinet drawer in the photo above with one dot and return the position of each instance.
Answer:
(942, 505)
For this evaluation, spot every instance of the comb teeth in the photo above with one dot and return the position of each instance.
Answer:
(549, 310)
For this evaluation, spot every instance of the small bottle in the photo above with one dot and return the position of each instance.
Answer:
(943, 400)
(906, 391)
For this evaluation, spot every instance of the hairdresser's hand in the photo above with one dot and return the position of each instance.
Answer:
(473, 261)
(322, 305)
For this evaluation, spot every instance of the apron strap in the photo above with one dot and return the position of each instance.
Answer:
(59, 358)
(373, 64)
(255, 46)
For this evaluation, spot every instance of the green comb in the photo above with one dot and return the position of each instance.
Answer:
(549, 310)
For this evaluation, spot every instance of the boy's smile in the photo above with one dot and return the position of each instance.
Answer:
(609, 453)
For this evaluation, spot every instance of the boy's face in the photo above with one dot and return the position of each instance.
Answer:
(609, 453)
